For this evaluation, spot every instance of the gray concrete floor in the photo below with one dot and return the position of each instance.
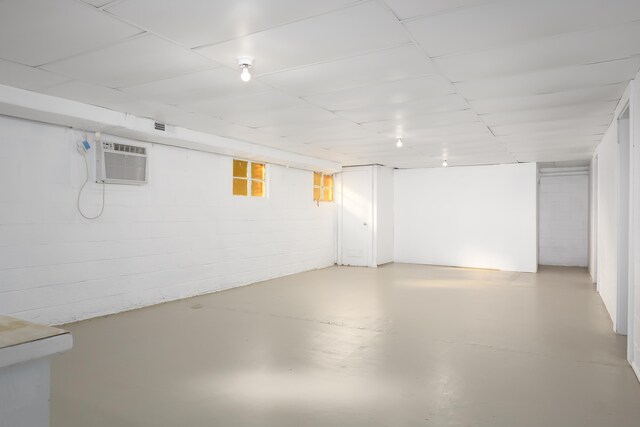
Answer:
(401, 345)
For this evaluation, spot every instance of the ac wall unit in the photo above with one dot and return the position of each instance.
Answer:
(121, 163)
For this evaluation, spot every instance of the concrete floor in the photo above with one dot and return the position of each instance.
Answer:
(401, 345)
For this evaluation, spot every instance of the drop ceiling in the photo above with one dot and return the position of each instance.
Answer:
(475, 81)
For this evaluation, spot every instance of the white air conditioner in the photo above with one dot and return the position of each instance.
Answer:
(121, 163)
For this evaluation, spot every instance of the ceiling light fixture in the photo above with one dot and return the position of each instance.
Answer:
(399, 142)
(245, 62)
(444, 163)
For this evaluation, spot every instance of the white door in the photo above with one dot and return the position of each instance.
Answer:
(357, 216)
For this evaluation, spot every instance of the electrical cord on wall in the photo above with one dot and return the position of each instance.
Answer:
(82, 148)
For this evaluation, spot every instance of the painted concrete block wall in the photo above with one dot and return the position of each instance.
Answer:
(383, 206)
(182, 234)
(564, 220)
(483, 216)
(607, 220)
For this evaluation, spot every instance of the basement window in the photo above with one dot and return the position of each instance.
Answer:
(322, 187)
(249, 178)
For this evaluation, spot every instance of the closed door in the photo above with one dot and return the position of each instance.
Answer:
(357, 216)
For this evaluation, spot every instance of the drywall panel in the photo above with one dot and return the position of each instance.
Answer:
(384, 215)
(593, 218)
(180, 235)
(564, 219)
(634, 234)
(607, 220)
(482, 217)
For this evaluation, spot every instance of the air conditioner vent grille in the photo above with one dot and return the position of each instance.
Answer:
(125, 167)
(160, 126)
(129, 149)
(122, 163)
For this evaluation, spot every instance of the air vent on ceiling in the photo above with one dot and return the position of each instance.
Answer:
(160, 126)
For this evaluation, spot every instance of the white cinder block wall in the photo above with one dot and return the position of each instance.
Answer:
(564, 220)
(182, 234)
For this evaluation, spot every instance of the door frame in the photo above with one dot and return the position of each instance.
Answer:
(371, 258)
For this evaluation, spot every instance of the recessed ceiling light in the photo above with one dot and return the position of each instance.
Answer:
(245, 62)
(399, 142)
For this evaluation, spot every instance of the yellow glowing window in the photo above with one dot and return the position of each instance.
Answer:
(249, 178)
(322, 187)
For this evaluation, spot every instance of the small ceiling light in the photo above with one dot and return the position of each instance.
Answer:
(399, 142)
(245, 63)
(444, 163)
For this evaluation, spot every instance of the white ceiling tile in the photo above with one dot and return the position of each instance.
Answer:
(201, 22)
(35, 32)
(477, 129)
(25, 77)
(388, 149)
(419, 138)
(526, 137)
(245, 133)
(334, 35)
(275, 117)
(139, 60)
(339, 143)
(564, 50)
(590, 123)
(150, 109)
(611, 92)
(405, 9)
(554, 80)
(309, 132)
(551, 113)
(195, 86)
(409, 109)
(509, 22)
(396, 92)
(89, 94)
(245, 103)
(560, 149)
(98, 3)
(362, 70)
(545, 76)
(550, 140)
(402, 125)
(548, 146)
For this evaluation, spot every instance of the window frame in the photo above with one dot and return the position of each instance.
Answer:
(249, 179)
(322, 187)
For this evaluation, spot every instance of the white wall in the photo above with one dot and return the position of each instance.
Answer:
(383, 206)
(607, 221)
(564, 219)
(593, 218)
(482, 216)
(604, 197)
(182, 234)
(634, 235)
